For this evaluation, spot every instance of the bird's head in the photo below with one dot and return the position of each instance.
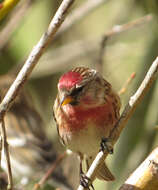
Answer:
(81, 87)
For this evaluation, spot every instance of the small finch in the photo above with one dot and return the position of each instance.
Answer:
(86, 110)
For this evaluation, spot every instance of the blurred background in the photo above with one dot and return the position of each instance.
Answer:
(79, 45)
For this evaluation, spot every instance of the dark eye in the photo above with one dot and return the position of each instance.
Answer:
(76, 91)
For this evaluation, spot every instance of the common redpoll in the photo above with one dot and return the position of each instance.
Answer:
(86, 109)
(31, 152)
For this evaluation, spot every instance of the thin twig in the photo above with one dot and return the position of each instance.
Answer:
(145, 176)
(99, 65)
(35, 55)
(125, 27)
(6, 149)
(124, 87)
(81, 48)
(118, 29)
(128, 110)
(26, 71)
(80, 13)
(50, 171)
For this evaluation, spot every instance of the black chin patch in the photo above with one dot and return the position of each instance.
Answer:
(74, 103)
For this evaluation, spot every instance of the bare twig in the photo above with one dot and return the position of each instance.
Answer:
(145, 176)
(35, 55)
(100, 62)
(118, 30)
(14, 20)
(81, 48)
(79, 14)
(128, 110)
(6, 149)
(124, 87)
(26, 71)
(50, 171)
(125, 27)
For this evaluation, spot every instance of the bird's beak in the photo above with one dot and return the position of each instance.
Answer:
(66, 100)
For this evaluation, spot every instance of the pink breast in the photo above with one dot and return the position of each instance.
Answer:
(78, 118)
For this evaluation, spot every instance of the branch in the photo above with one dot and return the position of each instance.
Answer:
(79, 14)
(26, 71)
(35, 55)
(6, 149)
(126, 84)
(128, 110)
(145, 176)
(118, 29)
(49, 172)
(125, 27)
(6, 7)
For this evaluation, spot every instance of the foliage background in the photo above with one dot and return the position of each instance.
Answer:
(132, 51)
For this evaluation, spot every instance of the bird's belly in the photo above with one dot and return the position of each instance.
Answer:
(85, 141)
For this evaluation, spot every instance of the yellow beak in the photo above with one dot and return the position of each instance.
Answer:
(66, 100)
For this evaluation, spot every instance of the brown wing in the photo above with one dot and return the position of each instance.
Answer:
(56, 123)
(109, 92)
(55, 112)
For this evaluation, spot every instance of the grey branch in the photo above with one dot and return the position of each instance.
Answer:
(118, 29)
(26, 71)
(35, 55)
(50, 171)
(5, 147)
(128, 110)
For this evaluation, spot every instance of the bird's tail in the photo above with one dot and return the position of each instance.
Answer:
(103, 172)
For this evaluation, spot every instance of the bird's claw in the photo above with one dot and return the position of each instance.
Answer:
(86, 181)
(106, 145)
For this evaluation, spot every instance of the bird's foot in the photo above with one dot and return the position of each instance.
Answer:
(106, 145)
(85, 181)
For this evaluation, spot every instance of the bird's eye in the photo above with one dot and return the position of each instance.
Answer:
(76, 91)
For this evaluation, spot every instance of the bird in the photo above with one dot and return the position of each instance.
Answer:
(31, 152)
(86, 109)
